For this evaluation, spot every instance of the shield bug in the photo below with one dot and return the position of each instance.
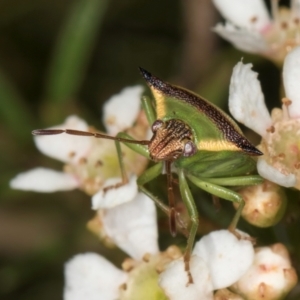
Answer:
(201, 142)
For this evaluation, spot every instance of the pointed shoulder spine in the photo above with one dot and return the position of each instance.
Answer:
(147, 75)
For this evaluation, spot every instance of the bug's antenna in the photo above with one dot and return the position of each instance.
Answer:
(86, 133)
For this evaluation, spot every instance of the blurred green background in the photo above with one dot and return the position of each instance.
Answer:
(62, 57)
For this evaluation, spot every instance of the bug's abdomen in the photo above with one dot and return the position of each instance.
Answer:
(209, 164)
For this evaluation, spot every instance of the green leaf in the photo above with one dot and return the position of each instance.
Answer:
(73, 50)
(13, 112)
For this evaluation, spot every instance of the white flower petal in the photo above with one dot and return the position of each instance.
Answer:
(174, 280)
(242, 38)
(246, 100)
(63, 146)
(44, 180)
(291, 79)
(133, 227)
(121, 110)
(227, 257)
(89, 276)
(115, 196)
(267, 171)
(243, 13)
(295, 6)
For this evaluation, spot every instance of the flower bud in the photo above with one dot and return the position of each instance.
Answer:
(264, 203)
(270, 277)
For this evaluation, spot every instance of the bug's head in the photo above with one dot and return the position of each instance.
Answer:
(171, 140)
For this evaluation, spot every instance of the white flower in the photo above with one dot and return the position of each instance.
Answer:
(92, 277)
(90, 162)
(121, 111)
(44, 180)
(213, 256)
(133, 228)
(157, 275)
(223, 251)
(250, 28)
(112, 197)
(271, 275)
(174, 280)
(280, 131)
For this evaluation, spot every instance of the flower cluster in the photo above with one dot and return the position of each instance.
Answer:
(280, 131)
(151, 274)
(250, 28)
(89, 162)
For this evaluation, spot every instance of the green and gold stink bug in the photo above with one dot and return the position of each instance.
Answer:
(203, 144)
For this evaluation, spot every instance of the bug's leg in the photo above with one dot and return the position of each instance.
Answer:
(216, 202)
(223, 193)
(236, 181)
(193, 213)
(146, 177)
(172, 218)
(149, 175)
(149, 110)
(212, 186)
(122, 168)
(141, 149)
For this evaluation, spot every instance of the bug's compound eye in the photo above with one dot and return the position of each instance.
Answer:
(189, 149)
(157, 124)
